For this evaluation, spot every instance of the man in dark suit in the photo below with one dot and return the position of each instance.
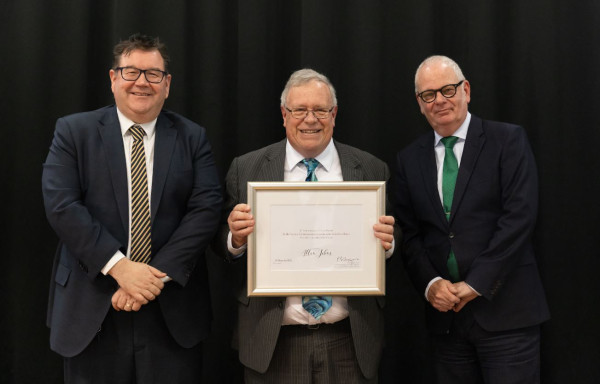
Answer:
(279, 341)
(87, 189)
(466, 200)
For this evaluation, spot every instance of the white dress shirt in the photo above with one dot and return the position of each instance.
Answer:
(440, 154)
(149, 139)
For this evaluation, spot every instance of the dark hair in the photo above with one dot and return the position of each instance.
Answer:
(141, 42)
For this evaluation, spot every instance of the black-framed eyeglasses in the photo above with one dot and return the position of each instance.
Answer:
(154, 76)
(447, 91)
(301, 113)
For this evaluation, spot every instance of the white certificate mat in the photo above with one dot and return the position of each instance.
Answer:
(315, 238)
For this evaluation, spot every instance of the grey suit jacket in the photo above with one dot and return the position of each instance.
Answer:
(260, 318)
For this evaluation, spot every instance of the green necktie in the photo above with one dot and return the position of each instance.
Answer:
(449, 174)
(315, 305)
(140, 207)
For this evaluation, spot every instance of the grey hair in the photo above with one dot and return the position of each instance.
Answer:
(442, 60)
(305, 76)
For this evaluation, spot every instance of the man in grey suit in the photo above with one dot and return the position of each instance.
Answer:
(279, 341)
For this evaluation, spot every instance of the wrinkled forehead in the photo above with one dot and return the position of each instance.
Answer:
(313, 92)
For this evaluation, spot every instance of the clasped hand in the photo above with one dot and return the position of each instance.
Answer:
(445, 296)
(139, 284)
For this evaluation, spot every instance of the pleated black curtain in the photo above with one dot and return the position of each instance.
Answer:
(531, 62)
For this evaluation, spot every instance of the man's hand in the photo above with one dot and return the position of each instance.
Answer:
(464, 293)
(241, 224)
(384, 231)
(141, 281)
(442, 295)
(121, 300)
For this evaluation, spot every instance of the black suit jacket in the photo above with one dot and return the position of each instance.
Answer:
(493, 216)
(259, 319)
(84, 184)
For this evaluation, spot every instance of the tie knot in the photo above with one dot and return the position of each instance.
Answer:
(311, 164)
(449, 141)
(137, 131)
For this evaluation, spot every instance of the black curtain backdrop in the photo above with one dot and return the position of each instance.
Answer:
(530, 62)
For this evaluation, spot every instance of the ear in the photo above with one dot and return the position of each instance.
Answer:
(467, 87)
(113, 78)
(421, 104)
(284, 113)
(167, 85)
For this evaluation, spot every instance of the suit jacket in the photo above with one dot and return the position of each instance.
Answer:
(493, 216)
(84, 184)
(259, 319)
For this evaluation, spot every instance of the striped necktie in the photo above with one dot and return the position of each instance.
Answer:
(449, 173)
(140, 207)
(315, 305)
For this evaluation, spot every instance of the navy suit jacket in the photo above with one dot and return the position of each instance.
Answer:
(260, 318)
(493, 216)
(84, 184)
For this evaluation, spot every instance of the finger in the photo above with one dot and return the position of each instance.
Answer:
(241, 208)
(156, 272)
(240, 225)
(140, 298)
(136, 306)
(387, 220)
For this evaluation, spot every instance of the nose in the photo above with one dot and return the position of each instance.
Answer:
(311, 116)
(142, 79)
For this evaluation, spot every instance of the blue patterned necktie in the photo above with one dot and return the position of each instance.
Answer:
(449, 173)
(315, 305)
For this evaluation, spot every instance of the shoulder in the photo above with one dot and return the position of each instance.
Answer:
(495, 129)
(346, 151)
(178, 121)
(90, 116)
(270, 151)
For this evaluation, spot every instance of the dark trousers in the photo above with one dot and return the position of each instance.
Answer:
(304, 355)
(471, 355)
(135, 347)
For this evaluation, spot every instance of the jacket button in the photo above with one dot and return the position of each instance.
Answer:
(280, 304)
(451, 235)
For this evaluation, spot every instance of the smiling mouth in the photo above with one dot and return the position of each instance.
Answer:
(310, 131)
(140, 94)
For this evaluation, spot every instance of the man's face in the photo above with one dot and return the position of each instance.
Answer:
(445, 115)
(309, 136)
(140, 100)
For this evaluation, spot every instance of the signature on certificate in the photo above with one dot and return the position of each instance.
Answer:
(317, 252)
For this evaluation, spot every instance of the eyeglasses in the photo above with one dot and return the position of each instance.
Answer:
(154, 76)
(301, 113)
(447, 91)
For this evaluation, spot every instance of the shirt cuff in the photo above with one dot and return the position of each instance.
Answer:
(111, 263)
(390, 251)
(235, 252)
(429, 286)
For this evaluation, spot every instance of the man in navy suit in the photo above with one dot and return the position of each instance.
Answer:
(113, 319)
(471, 256)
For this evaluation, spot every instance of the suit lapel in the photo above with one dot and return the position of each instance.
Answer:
(473, 145)
(428, 166)
(272, 167)
(112, 141)
(351, 167)
(163, 150)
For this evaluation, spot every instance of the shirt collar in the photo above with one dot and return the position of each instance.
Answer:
(126, 123)
(461, 132)
(293, 157)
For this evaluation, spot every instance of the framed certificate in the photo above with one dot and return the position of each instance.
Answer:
(315, 239)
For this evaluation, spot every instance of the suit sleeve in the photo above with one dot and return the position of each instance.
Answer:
(519, 195)
(179, 255)
(84, 236)
(414, 254)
